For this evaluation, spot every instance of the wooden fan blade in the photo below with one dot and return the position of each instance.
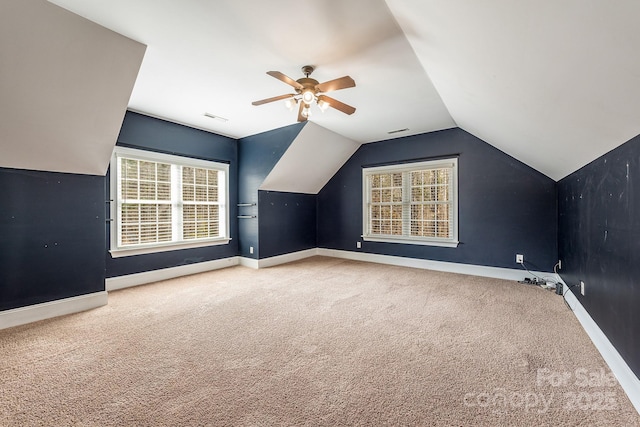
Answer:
(275, 98)
(301, 118)
(331, 85)
(340, 106)
(288, 80)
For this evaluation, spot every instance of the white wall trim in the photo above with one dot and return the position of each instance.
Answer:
(283, 259)
(627, 379)
(47, 310)
(278, 259)
(249, 262)
(451, 267)
(121, 282)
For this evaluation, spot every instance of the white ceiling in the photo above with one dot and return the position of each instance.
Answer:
(552, 83)
(212, 56)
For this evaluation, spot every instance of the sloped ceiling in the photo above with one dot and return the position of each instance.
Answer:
(312, 158)
(554, 84)
(64, 87)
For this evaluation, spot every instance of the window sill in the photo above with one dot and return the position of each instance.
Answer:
(407, 241)
(141, 250)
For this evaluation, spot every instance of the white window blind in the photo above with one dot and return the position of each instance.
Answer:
(145, 208)
(411, 203)
(201, 207)
(163, 202)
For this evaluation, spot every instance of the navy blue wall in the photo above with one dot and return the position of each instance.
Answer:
(505, 206)
(599, 243)
(258, 154)
(51, 236)
(287, 222)
(143, 132)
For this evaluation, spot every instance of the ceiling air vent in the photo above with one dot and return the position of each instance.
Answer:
(218, 118)
(391, 132)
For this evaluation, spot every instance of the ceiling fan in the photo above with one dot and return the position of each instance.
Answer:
(309, 91)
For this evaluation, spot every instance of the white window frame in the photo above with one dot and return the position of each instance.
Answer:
(451, 242)
(176, 161)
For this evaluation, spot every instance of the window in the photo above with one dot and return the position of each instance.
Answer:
(162, 202)
(413, 203)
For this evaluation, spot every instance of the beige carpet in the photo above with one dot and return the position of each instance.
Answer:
(320, 342)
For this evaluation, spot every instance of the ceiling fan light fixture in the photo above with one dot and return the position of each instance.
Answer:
(290, 103)
(306, 111)
(308, 96)
(323, 105)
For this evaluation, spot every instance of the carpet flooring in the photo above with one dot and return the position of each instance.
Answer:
(318, 342)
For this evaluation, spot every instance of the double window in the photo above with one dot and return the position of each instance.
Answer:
(163, 202)
(412, 203)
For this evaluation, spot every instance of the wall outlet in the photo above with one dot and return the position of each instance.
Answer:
(358, 245)
(519, 258)
(250, 249)
(581, 288)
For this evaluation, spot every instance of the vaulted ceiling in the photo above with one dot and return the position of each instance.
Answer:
(64, 87)
(554, 84)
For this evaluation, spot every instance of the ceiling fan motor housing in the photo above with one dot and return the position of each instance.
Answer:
(308, 90)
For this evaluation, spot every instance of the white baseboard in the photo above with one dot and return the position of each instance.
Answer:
(451, 267)
(47, 310)
(249, 262)
(121, 282)
(278, 259)
(283, 259)
(627, 379)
